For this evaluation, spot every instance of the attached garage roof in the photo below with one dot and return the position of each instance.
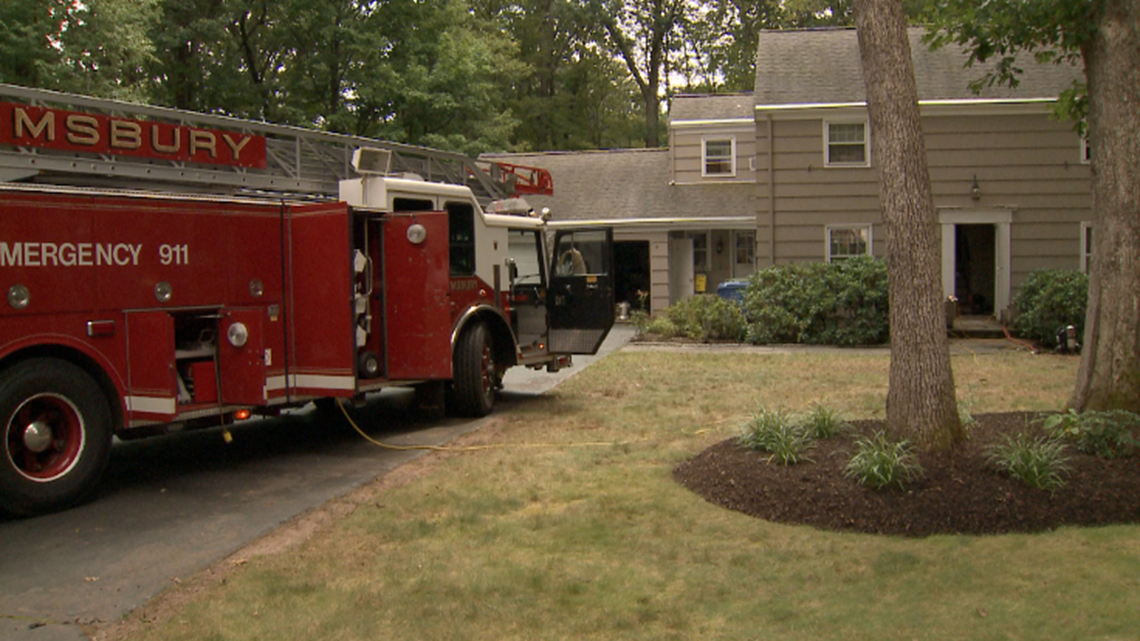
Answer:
(628, 184)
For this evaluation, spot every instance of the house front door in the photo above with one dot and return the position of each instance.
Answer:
(975, 260)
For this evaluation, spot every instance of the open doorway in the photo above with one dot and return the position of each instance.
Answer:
(975, 259)
(631, 273)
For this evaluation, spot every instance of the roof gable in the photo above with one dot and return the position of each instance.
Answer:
(823, 66)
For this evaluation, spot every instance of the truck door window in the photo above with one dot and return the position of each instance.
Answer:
(461, 221)
(523, 248)
(412, 204)
(581, 253)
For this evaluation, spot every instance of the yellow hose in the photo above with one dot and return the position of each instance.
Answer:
(465, 448)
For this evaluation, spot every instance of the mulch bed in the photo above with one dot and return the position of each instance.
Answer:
(960, 492)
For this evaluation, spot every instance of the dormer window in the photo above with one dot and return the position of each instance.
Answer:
(719, 157)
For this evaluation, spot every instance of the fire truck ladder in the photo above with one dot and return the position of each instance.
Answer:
(298, 162)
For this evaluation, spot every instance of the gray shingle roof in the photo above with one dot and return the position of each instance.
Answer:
(711, 107)
(627, 184)
(822, 66)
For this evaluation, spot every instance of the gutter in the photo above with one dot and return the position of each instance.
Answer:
(771, 191)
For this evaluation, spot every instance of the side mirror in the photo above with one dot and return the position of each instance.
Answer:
(512, 269)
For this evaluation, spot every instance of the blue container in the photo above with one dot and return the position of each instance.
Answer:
(732, 290)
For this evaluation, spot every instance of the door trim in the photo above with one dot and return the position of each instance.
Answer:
(1001, 219)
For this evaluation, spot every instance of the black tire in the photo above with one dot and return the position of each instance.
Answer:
(56, 436)
(476, 377)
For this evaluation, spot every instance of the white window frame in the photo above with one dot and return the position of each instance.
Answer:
(866, 162)
(1085, 250)
(705, 173)
(1086, 156)
(828, 229)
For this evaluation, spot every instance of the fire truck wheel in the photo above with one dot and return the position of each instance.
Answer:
(474, 367)
(57, 436)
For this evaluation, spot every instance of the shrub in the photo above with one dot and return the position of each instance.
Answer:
(775, 432)
(880, 463)
(1048, 300)
(1040, 462)
(966, 415)
(708, 317)
(841, 303)
(660, 326)
(1106, 434)
(823, 422)
(702, 317)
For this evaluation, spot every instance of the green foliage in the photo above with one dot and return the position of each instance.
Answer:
(840, 303)
(823, 422)
(708, 317)
(1106, 434)
(1039, 462)
(965, 415)
(996, 31)
(777, 433)
(881, 463)
(661, 326)
(1050, 299)
(96, 47)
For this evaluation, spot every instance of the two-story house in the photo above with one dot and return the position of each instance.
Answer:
(785, 175)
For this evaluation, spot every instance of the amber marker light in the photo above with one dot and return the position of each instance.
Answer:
(241, 415)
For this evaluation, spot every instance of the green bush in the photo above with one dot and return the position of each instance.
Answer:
(703, 317)
(841, 303)
(880, 463)
(777, 433)
(708, 317)
(1106, 434)
(1039, 462)
(1048, 300)
(823, 422)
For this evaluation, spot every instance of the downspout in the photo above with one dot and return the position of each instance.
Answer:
(771, 192)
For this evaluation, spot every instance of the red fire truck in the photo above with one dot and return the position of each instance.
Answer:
(132, 313)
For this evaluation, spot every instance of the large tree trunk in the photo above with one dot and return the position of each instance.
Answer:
(1109, 375)
(921, 405)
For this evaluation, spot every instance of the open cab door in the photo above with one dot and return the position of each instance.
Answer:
(580, 301)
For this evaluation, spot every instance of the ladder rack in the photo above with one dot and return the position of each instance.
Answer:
(297, 162)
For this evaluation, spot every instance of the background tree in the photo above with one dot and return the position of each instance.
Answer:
(99, 47)
(1105, 36)
(643, 34)
(921, 403)
(27, 32)
(567, 94)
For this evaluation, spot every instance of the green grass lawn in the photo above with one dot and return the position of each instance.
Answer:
(573, 528)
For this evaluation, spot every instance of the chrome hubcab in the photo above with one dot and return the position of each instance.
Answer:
(37, 436)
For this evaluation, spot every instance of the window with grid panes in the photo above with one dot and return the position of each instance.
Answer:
(847, 144)
(845, 242)
(719, 157)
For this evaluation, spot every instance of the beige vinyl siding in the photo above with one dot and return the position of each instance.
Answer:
(1026, 164)
(688, 144)
(810, 196)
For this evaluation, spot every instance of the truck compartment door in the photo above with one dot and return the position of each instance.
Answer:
(580, 299)
(320, 304)
(417, 283)
(241, 357)
(152, 388)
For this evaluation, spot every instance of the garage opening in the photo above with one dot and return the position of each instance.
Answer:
(631, 273)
